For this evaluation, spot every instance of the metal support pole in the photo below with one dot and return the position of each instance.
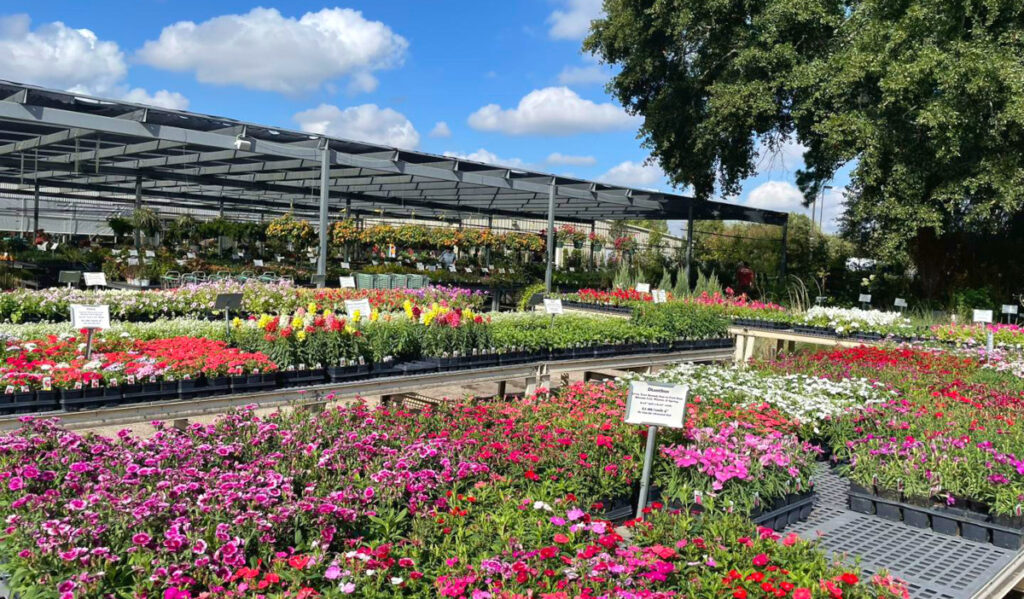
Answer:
(325, 175)
(645, 480)
(220, 209)
(689, 247)
(35, 209)
(551, 237)
(593, 229)
(785, 242)
(138, 205)
(348, 208)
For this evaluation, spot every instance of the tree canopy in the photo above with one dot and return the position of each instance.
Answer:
(924, 98)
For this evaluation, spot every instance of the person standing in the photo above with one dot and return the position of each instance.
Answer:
(745, 278)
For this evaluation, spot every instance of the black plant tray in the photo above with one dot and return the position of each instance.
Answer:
(973, 526)
(72, 400)
(816, 331)
(424, 366)
(341, 374)
(753, 323)
(252, 383)
(789, 510)
(301, 378)
(27, 402)
(597, 307)
(142, 392)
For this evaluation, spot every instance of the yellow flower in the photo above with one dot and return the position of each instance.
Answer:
(356, 315)
(311, 307)
(301, 335)
(349, 329)
(236, 322)
(297, 323)
(374, 315)
(327, 312)
(265, 320)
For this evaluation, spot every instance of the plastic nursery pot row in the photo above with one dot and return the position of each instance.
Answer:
(756, 323)
(1001, 531)
(29, 402)
(626, 310)
(783, 512)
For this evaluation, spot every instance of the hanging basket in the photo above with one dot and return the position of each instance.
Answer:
(578, 245)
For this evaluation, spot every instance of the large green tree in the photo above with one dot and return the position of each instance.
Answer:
(925, 98)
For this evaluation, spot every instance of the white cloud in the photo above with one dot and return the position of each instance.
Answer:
(55, 55)
(368, 123)
(486, 156)
(635, 174)
(573, 23)
(264, 50)
(552, 111)
(569, 159)
(441, 130)
(787, 197)
(162, 98)
(572, 75)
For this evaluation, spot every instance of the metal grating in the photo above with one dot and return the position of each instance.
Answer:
(934, 566)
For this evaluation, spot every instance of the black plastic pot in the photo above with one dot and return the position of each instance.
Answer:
(945, 525)
(252, 383)
(302, 378)
(219, 385)
(191, 388)
(113, 396)
(972, 527)
(341, 374)
(916, 517)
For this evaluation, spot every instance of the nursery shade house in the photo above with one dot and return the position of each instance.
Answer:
(74, 147)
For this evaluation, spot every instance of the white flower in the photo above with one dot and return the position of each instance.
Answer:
(540, 505)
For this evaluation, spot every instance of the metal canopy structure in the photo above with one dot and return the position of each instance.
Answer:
(77, 146)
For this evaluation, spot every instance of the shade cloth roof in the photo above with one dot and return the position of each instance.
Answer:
(85, 147)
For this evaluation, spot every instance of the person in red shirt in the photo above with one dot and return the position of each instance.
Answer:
(745, 278)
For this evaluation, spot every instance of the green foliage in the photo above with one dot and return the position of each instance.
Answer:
(682, 288)
(528, 293)
(625, 278)
(120, 226)
(924, 98)
(666, 280)
(683, 319)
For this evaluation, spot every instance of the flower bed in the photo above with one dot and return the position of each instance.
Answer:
(490, 500)
(1009, 336)
(852, 321)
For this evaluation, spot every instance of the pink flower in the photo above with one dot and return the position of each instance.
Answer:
(761, 559)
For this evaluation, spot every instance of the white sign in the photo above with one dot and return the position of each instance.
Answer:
(375, 262)
(485, 270)
(656, 404)
(279, 258)
(362, 306)
(572, 269)
(90, 317)
(95, 279)
(501, 271)
(150, 254)
(419, 266)
(133, 253)
(643, 287)
(452, 268)
(345, 265)
(901, 303)
(133, 261)
(347, 282)
(553, 306)
(660, 296)
(469, 269)
(864, 298)
(257, 262)
(1009, 308)
(54, 245)
(41, 247)
(311, 260)
(191, 255)
(983, 316)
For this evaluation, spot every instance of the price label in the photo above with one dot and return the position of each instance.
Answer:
(90, 317)
(501, 271)
(133, 253)
(572, 269)
(1009, 308)
(419, 266)
(451, 267)
(864, 298)
(656, 404)
(150, 254)
(660, 296)
(95, 279)
(257, 262)
(279, 258)
(191, 255)
(900, 302)
(133, 261)
(311, 260)
(346, 265)
(41, 247)
(643, 287)
(375, 262)
(553, 306)
(347, 282)
(362, 306)
(54, 245)
(983, 316)
(485, 270)
(820, 300)
(469, 270)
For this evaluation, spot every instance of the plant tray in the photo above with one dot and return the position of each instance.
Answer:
(971, 526)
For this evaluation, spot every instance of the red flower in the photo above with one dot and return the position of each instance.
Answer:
(761, 560)
(562, 539)
(739, 594)
(849, 578)
(298, 561)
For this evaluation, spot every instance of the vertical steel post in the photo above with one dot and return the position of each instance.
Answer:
(785, 242)
(35, 209)
(551, 237)
(325, 176)
(689, 247)
(138, 205)
(645, 480)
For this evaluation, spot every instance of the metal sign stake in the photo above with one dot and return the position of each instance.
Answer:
(645, 480)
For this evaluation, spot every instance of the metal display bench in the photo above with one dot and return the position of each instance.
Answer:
(935, 566)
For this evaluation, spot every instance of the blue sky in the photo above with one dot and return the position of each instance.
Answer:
(495, 81)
